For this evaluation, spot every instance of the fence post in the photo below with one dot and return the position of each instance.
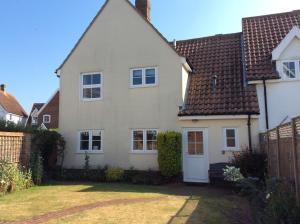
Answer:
(278, 152)
(295, 157)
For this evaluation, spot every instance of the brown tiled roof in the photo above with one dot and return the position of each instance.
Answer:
(218, 56)
(37, 106)
(10, 104)
(262, 35)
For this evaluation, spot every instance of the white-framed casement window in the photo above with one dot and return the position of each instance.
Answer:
(143, 77)
(144, 140)
(91, 141)
(290, 69)
(46, 118)
(91, 86)
(231, 139)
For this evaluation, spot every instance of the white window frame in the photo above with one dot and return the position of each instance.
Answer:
(237, 142)
(34, 120)
(144, 151)
(297, 70)
(91, 86)
(44, 118)
(90, 151)
(143, 77)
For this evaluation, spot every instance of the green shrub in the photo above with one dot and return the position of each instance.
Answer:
(95, 175)
(9, 126)
(281, 205)
(50, 144)
(114, 174)
(12, 178)
(169, 153)
(251, 164)
(36, 164)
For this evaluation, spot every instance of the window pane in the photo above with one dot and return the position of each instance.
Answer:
(138, 145)
(96, 145)
(96, 79)
(230, 133)
(96, 93)
(199, 136)
(289, 69)
(150, 76)
(96, 135)
(138, 135)
(84, 145)
(151, 135)
(199, 148)
(231, 142)
(87, 93)
(191, 136)
(87, 80)
(191, 148)
(84, 141)
(84, 136)
(137, 76)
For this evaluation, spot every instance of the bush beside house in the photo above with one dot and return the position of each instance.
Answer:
(169, 153)
(270, 201)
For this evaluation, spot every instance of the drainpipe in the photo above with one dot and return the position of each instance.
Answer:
(266, 104)
(249, 132)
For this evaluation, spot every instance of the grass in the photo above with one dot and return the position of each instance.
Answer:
(182, 204)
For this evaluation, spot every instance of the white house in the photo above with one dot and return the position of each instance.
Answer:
(272, 58)
(123, 83)
(10, 109)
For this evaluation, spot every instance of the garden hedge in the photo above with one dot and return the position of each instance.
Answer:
(169, 153)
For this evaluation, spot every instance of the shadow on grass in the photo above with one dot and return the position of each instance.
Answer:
(172, 189)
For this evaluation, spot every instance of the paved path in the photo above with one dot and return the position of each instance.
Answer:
(81, 208)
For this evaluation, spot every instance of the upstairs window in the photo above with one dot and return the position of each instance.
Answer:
(46, 119)
(143, 77)
(91, 86)
(289, 69)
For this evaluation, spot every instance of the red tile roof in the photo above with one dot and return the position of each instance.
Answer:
(10, 104)
(262, 35)
(218, 56)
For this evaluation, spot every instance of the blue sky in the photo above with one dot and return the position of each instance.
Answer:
(36, 35)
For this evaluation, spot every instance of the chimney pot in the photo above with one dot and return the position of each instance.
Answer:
(144, 7)
(2, 87)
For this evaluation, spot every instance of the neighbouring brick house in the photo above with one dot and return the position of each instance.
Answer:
(45, 115)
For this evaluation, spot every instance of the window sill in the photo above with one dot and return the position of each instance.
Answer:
(231, 150)
(143, 86)
(143, 153)
(90, 152)
(91, 100)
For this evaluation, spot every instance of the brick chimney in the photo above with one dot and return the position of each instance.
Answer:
(2, 87)
(144, 7)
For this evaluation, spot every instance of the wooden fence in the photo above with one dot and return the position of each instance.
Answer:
(15, 147)
(282, 146)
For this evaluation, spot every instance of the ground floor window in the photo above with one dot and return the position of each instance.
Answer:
(144, 140)
(90, 141)
(231, 140)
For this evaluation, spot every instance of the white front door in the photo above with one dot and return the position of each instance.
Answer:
(195, 155)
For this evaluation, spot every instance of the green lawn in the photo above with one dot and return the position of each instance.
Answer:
(180, 204)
